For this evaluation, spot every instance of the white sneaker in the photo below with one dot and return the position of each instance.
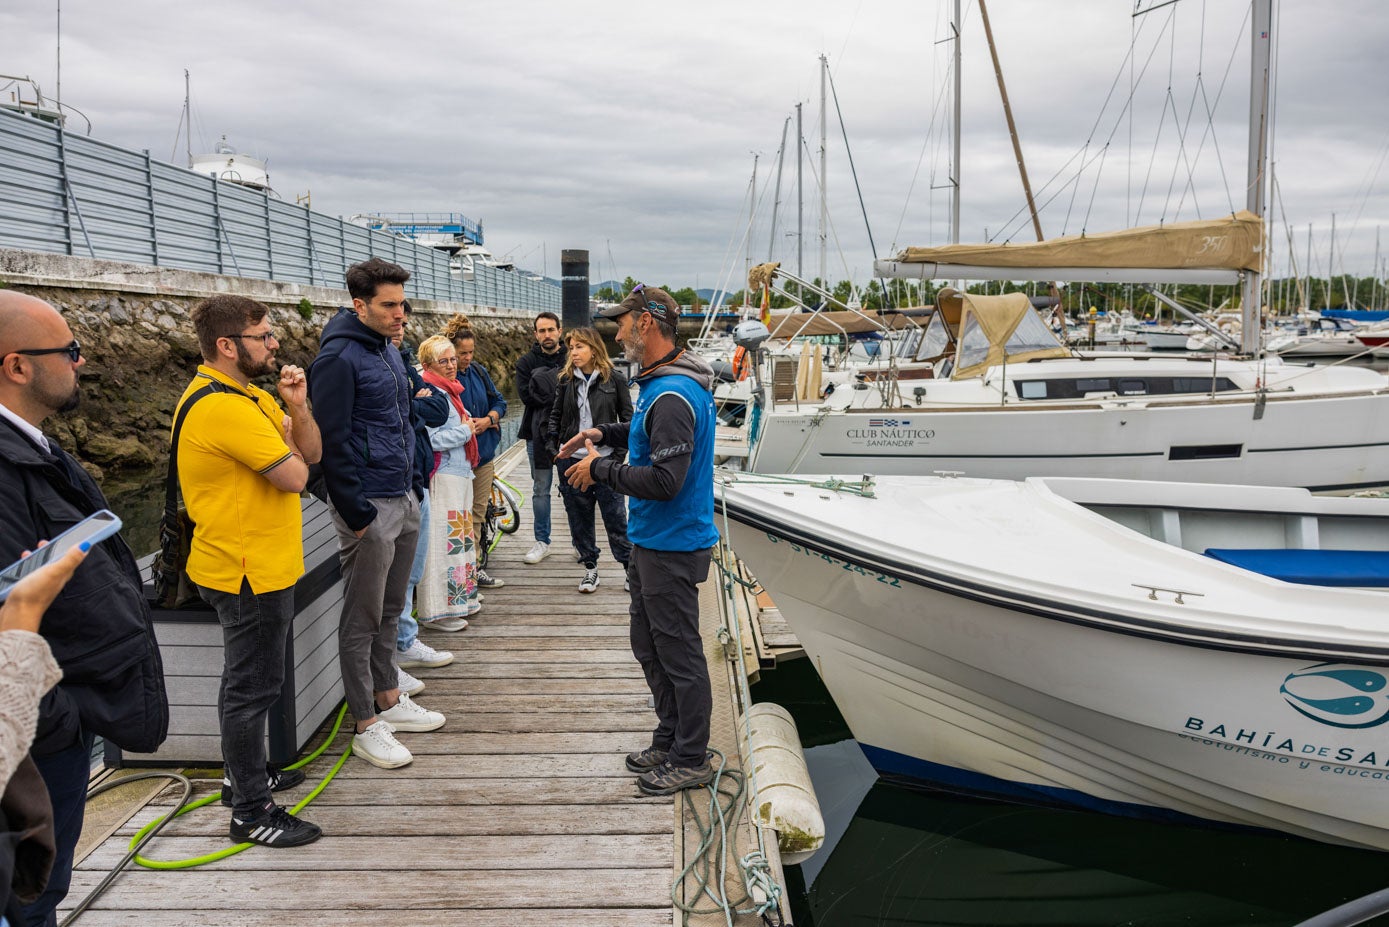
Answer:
(445, 624)
(378, 746)
(590, 582)
(407, 683)
(421, 654)
(537, 553)
(475, 607)
(407, 717)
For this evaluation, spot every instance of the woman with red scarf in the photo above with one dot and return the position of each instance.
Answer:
(449, 587)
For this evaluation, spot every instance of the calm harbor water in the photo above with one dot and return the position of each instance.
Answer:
(899, 855)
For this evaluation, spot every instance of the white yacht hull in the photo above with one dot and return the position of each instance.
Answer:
(1335, 441)
(981, 686)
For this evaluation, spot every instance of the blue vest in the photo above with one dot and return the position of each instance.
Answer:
(686, 522)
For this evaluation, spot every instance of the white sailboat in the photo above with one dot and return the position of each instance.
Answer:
(1139, 648)
(993, 393)
(1001, 397)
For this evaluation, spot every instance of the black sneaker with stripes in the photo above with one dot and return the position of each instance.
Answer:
(274, 827)
(280, 779)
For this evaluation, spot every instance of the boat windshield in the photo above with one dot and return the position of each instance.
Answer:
(935, 341)
(1000, 329)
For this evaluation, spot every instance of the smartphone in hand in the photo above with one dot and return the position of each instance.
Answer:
(96, 527)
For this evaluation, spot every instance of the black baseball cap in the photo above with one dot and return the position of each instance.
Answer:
(649, 299)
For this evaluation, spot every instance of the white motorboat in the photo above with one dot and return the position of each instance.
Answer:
(1321, 337)
(995, 394)
(226, 163)
(1165, 338)
(1140, 648)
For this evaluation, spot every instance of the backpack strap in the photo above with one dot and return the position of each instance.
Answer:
(171, 479)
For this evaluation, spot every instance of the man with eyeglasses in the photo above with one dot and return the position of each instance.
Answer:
(99, 628)
(670, 477)
(242, 463)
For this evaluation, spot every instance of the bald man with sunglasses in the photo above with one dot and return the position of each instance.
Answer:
(99, 627)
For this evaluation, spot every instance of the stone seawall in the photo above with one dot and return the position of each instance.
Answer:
(134, 327)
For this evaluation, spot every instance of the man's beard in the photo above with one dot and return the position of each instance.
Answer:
(53, 399)
(251, 369)
(634, 346)
(72, 401)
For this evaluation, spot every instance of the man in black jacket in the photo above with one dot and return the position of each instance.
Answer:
(548, 353)
(99, 628)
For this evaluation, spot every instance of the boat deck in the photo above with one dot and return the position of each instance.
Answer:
(518, 811)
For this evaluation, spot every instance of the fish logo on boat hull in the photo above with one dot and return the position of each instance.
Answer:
(1339, 695)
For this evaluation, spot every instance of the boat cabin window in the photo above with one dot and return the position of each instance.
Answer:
(1032, 334)
(1080, 387)
(935, 341)
(974, 343)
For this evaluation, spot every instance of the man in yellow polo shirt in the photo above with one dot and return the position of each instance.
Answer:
(242, 463)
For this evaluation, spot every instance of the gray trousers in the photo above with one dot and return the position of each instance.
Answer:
(375, 575)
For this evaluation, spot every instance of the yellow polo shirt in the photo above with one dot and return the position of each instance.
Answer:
(244, 526)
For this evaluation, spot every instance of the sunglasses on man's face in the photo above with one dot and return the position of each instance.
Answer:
(73, 350)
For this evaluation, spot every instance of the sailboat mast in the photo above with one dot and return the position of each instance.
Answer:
(188, 114)
(752, 212)
(1012, 126)
(1307, 305)
(1331, 263)
(1251, 323)
(800, 197)
(824, 180)
(955, 138)
(776, 199)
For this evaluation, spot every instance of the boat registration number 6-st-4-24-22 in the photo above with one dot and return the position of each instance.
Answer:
(835, 561)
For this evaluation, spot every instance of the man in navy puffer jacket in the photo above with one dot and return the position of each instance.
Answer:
(361, 401)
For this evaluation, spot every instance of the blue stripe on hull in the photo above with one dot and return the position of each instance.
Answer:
(898, 765)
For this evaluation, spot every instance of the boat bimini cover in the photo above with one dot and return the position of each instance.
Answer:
(996, 329)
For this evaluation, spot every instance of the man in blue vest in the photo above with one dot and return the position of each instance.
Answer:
(670, 477)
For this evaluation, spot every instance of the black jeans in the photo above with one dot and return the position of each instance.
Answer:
(666, 642)
(254, 629)
(578, 507)
(65, 773)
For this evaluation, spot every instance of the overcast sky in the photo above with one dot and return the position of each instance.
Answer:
(629, 128)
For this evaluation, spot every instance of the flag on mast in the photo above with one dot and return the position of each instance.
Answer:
(766, 305)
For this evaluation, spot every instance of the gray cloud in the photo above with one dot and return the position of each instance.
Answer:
(628, 127)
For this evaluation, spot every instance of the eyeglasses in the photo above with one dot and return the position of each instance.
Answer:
(264, 339)
(72, 350)
(444, 361)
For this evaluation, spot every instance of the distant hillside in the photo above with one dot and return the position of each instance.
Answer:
(705, 295)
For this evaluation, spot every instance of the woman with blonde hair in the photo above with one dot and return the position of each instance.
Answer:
(447, 593)
(590, 392)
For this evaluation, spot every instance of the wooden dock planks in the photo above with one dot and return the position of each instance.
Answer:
(519, 810)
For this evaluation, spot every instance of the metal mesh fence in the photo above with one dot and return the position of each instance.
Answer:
(75, 195)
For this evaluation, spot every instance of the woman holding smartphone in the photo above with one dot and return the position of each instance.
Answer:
(27, 667)
(590, 392)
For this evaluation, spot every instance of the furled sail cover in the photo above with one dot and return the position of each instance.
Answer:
(1231, 243)
(801, 324)
(997, 329)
